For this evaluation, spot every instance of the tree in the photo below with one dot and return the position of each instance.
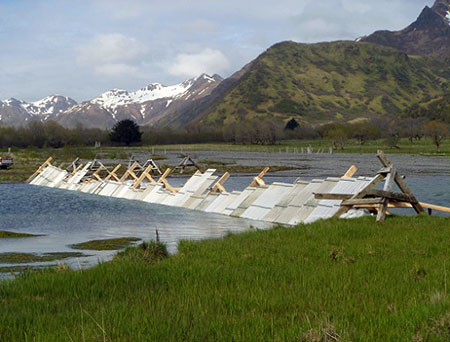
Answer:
(338, 136)
(364, 131)
(291, 125)
(437, 131)
(126, 132)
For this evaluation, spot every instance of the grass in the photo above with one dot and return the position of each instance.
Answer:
(23, 258)
(7, 234)
(334, 280)
(26, 161)
(106, 244)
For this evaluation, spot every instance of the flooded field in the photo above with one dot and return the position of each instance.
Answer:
(62, 218)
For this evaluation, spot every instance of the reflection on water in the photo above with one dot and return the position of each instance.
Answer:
(67, 217)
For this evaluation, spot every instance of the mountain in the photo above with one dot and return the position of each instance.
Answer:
(320, 83)
(428, 35)
(146, 106)
(14, 112)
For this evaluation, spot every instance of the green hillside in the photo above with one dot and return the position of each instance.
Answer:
(319, 83)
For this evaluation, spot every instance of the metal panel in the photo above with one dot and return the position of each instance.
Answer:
(277, 211)
(249, 201)
(267, 201)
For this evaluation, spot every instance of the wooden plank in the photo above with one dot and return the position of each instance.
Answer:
(321, 196)
(350, 172)
(96, 173)
(395, 196)
(373, 183)
(129, 171)
(435, 207)
(165, 175)
(143, 175)
(400, 182)
(358, 201)
(258, 181)
(113, 174)
(389, 183)
(406, 205)
(169, 187)
(218, 187)
(39, 170)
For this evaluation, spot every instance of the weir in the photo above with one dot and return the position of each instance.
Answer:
(280, 203)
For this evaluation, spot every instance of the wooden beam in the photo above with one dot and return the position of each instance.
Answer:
(400, 182)
(406, 205)
(359, 201)
(395, 196)
(258, 180)
(169, 187)
(40, 169)
(389, 183)
(113, 174)
(165, 175)
(96, 173)
(373, 183)
(350, 172)
(75, 170)
(218, 187)
(129, 172)
(338, 197)
(144, 174)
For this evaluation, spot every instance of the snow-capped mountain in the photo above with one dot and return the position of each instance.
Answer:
(146, 106)
(15, 112)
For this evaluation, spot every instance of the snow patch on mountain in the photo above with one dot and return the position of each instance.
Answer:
(155, 91)
(119, 97)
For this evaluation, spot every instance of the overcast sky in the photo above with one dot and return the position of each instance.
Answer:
(81, 48)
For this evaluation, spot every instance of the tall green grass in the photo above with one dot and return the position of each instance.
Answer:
(334, 280)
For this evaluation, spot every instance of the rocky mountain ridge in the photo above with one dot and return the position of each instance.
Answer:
(146, 106)
(429, 35)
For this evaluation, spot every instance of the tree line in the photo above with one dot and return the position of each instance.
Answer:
(253, 131)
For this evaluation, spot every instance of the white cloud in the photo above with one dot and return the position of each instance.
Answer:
(208, 61)
(111, 54)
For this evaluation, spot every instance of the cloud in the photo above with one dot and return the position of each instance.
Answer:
(111, 54)
(209, 61)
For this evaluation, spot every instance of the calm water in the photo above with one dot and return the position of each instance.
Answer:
(67, 217)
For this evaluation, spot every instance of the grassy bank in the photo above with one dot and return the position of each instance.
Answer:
(348, 280)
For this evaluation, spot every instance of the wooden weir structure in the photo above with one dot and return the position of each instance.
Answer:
(281, 203)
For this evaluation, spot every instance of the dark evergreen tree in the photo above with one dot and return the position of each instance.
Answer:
(126, 132)
(292, 124)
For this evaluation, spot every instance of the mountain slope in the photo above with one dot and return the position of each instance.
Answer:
(324, 82)
(428, 35)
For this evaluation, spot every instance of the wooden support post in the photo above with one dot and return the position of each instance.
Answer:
(400, 182)
(97, 172)
(218, 187)
(75, 170)
(350, 172)
(40, 169)
(375, 181)
(389, 183)
(169, 187)
(164, 175)
(144, 174)
(129, 172)
(258, 180)
(113, 174)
